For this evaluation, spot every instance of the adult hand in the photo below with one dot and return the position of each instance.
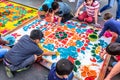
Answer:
(107, 78)
(102, 54)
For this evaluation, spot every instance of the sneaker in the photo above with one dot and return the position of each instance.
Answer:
(9, 72)
(23, 69)
(118, 19)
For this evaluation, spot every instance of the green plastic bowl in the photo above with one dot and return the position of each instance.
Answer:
(93, 37)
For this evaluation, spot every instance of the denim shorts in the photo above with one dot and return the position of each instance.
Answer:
(3, 51)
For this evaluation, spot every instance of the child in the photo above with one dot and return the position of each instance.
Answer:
(112, 25)
(110, 5)
(24, 53)
(113, 49)
(46, 3)
(3, 49)
(91, 12)
(45, 8)
(61, 71)
(63, 11)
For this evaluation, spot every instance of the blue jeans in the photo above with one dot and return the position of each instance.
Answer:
(29, 61)
(79, 2)
(110, 5)
(118, 10)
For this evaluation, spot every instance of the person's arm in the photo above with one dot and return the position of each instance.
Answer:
(96, 16)
(59, 20)
(40, 52)
(48, 53)
(39, 57)
(52, 16)
(38, 14)
(39, 9)
(106, 27)
(114, 37)
(78, 10)
(115, 70)
(3, 42)
(102, 54)
(96, 11)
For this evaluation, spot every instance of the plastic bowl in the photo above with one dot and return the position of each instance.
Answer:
(93, 37)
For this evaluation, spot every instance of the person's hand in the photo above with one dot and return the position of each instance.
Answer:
(53, 53)
(102, 54)
(38, 58)
(76, 14)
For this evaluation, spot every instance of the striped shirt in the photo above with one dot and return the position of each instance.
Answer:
(91, 9)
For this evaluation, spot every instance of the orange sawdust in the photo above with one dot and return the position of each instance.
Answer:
(47, 33)
(86, 72)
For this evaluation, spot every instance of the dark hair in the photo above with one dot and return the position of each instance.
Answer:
(113, 48)
(87, 0)
(55, 5)
(45, 7)
(36, 34)
(64, 67)
(50, 10)
(107, 16)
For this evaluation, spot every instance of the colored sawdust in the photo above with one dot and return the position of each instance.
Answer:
(75, 46)
(90, 78)
(13, 14)
(87, 72)
(98, 50)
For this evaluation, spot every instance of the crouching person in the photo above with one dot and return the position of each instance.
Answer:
(24, 53)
